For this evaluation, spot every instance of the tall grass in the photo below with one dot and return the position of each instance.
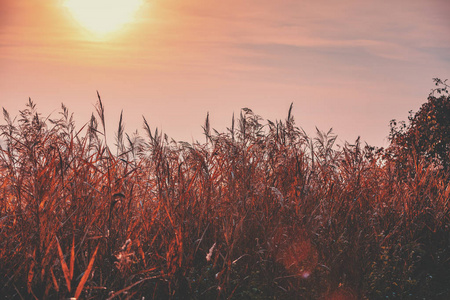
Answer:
(261, 211)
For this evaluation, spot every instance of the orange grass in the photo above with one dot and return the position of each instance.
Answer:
(261, 211)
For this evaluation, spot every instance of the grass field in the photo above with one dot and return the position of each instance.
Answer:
(261, 211)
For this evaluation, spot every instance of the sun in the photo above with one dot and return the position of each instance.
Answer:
(102, 17)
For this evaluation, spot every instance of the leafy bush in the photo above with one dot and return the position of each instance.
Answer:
(428, 132)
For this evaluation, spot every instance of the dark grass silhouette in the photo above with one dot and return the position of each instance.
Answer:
(261, 211)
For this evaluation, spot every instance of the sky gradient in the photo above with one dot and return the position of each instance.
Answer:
(351, 65)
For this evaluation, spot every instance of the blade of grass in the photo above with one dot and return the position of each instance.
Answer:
(86, 274)
(64, 265)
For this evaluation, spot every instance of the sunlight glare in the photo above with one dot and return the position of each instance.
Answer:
(103, 16)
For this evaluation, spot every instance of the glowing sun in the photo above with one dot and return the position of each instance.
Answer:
(103, 16)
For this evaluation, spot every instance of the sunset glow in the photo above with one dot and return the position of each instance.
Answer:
(103, 16)
(174, 61)
(198, 149)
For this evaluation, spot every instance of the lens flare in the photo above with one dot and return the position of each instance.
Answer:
(295, 251)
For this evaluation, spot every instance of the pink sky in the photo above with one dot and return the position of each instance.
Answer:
(351, 65)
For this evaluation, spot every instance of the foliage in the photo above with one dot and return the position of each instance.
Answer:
(428, 132)
(262, 211)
